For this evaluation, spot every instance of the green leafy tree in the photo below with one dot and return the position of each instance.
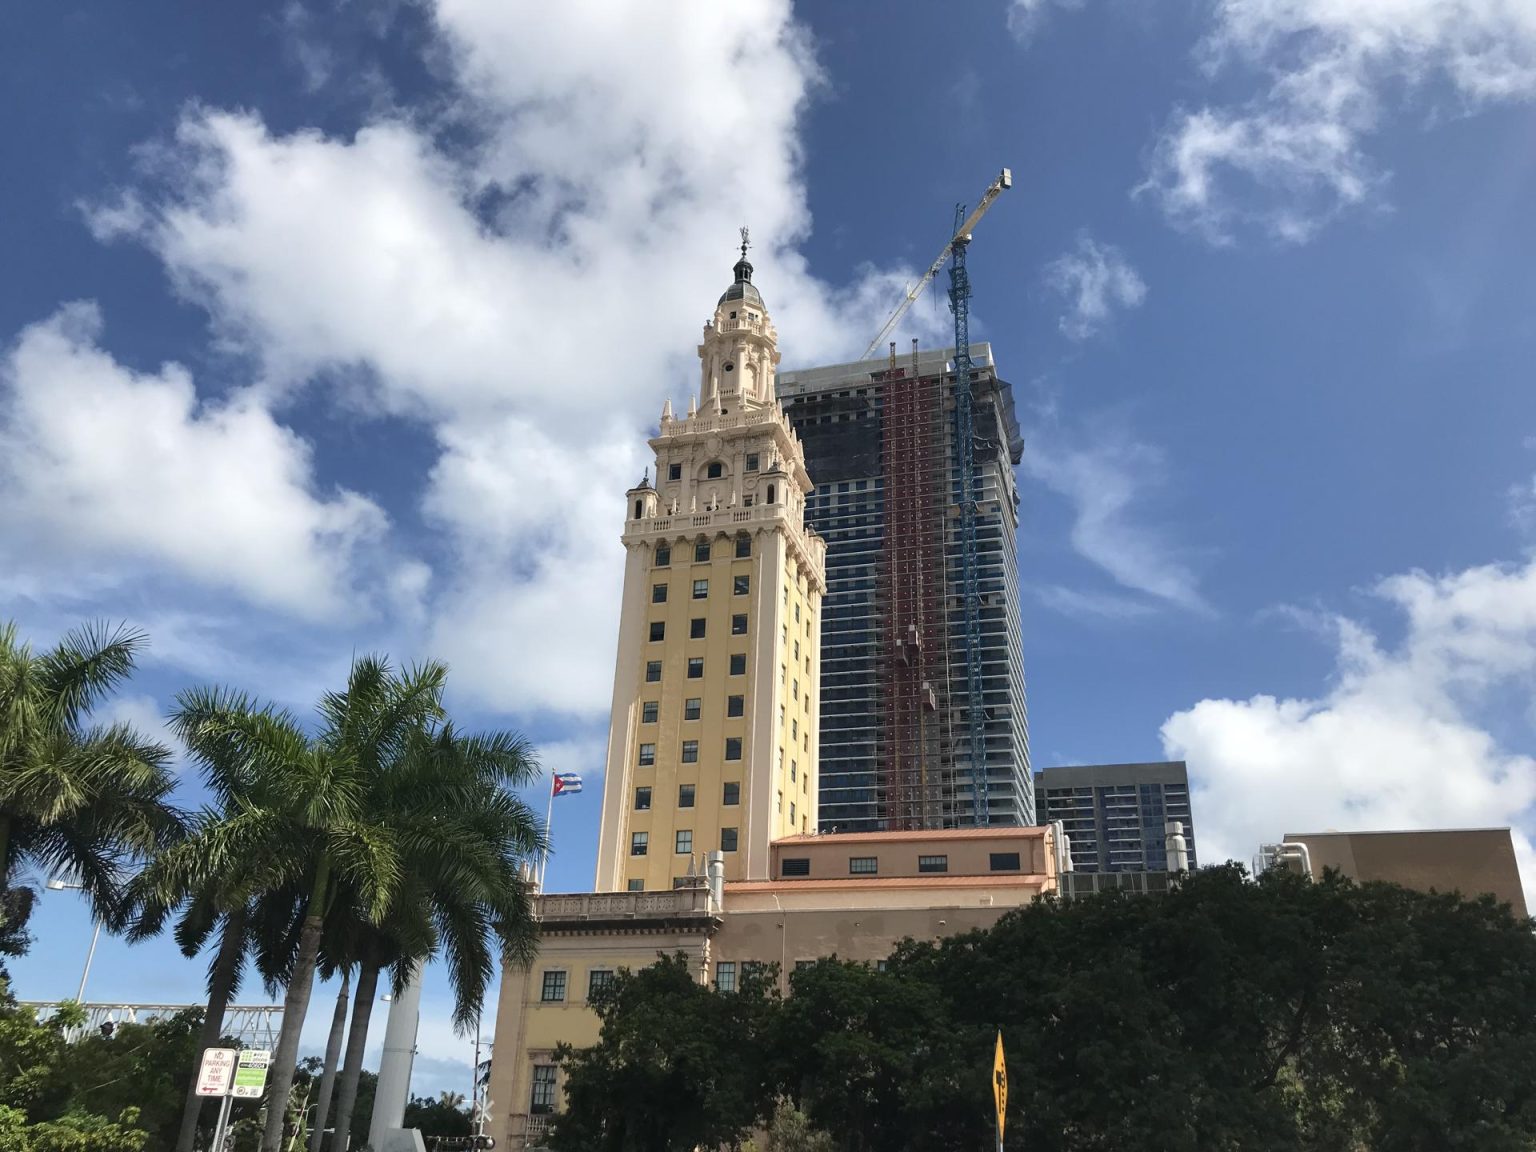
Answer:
(444, 1116)
(76, 796)
(1282, 1015)
(678, 1065)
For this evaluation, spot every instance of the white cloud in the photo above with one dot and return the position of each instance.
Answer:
(1026, 16)
(1294, 155)
(531, 297)
(1400, 740)
(1522, 505)
(1102, 480)
(1094, 279)
(1091, 605)
(99, 463)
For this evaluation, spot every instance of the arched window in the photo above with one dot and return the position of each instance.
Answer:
(770, 493)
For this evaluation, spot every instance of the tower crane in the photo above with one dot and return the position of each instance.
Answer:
(961, 235)
(965, 432)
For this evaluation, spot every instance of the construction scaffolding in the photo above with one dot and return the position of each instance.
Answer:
(912, 594)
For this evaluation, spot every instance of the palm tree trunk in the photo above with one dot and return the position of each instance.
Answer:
(357, 1039)
(332, 1055)
(295, 1008)
(221, 981)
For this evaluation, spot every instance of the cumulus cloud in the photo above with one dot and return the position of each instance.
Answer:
(1102, 478)
(104, 465)
(1294, 155)
(1094, 279)
(1401, 739)
(527, 281)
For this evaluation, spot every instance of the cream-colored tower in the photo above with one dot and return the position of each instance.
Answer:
(712, 743)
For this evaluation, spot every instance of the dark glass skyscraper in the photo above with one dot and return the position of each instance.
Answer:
(879, 438)
(1115, 815)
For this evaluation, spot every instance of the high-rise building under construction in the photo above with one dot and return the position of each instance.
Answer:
(881, 448)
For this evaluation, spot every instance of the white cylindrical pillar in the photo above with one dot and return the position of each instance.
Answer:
(394, 1087)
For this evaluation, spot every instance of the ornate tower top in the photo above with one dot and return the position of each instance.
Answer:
(740, 348)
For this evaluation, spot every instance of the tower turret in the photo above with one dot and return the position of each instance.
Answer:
(740, 349)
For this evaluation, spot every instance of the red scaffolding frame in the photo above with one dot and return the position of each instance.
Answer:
(912, 574)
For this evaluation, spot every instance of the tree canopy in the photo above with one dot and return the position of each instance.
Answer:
(1229, 1015)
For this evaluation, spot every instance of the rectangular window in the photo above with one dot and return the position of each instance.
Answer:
(732, 794)
(735, 705)
(690, 751)
(791, 811)
(933, 863)
(554, 987)
(739, 624)
(741, 585)
(642, 799)
(802, 965)
(794, 729)
(696, 628)
(733, 747)
(685, 795)
(652, 671)
(1005, 861)
(674, 471)
(598, 979)
(684, 842)
(792, 769)
(746, 501)
(795, 866)
(691, 708)
(794, 691)
(743, 547)
(649, 711)
(700, 589)
(797, 613)
(658, 630)
(701, 552)
(738, 663)
(779, 803)
(695, 667)
(797, 650)
(663, 556)
(727, 839)
(543, 1101)
(751, 461)
(863, 865)
(714, 470)
(647, 755)
(636, 885)
(725, 976)
(658, 593)
(639, 843)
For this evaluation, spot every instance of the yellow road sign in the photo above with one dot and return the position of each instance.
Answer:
(1000, 1086)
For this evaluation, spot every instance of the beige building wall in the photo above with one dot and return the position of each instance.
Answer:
(544, 1005)
(1472, 861)
(783, 921)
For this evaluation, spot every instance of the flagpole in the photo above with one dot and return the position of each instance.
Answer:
(549, 815)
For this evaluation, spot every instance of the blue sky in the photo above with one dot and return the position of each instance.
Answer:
(332, 327)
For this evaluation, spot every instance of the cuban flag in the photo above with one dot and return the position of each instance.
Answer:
(566, 784)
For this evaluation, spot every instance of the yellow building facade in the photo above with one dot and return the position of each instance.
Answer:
(712, 739)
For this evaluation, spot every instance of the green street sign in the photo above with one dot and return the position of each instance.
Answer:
(251, 1073)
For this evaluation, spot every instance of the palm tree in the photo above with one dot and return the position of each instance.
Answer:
(467, 900)
(388, 791)
(77, 797)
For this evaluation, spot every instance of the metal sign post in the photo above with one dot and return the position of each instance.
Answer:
(213, 1079)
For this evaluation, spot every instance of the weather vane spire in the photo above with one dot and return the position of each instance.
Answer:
(745, 241)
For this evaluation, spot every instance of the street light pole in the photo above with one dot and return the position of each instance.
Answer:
(59, 884)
